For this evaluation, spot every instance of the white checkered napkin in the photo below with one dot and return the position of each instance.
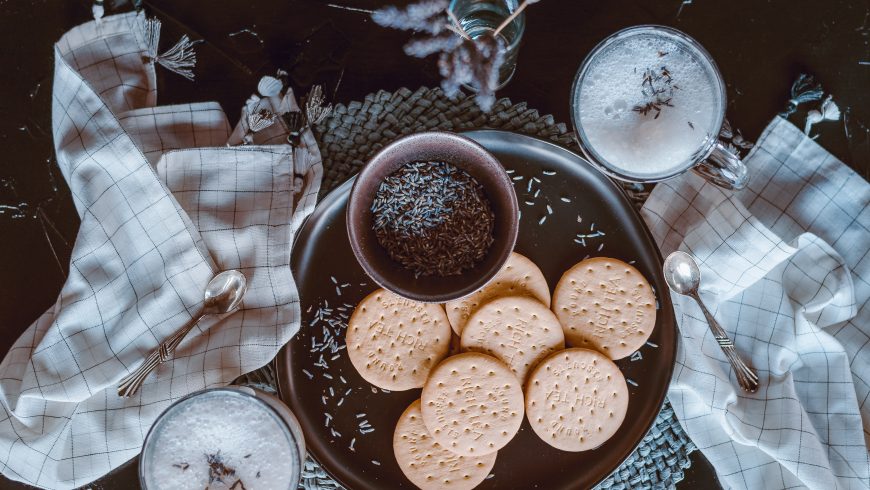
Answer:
(164, 205)
(156, 130)
(785, 270)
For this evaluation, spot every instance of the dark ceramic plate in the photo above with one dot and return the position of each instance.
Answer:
(328, 276)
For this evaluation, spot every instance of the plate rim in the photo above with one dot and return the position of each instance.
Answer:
(282, 360)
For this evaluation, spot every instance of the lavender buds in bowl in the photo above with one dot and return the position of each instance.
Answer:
(432, 217)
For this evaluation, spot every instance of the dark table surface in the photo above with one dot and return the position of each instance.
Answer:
(760, 46)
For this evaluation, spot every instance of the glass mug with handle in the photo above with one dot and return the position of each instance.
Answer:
(648, 103)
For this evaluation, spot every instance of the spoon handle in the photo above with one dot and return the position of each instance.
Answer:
(131, 383)
(746, 377)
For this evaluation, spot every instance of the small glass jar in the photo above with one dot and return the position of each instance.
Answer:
(478, 17)
(221, 436)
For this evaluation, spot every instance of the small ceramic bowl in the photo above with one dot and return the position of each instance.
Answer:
(462, 153)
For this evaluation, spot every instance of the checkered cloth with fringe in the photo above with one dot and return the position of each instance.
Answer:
(165, 201)
(786, 271)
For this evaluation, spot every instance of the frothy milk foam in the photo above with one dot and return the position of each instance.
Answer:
(647, 104)
(250, 439)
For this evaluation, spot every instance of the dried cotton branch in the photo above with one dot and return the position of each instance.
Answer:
(422, 47)
(475, 63)
(427, 16)
(462, 60)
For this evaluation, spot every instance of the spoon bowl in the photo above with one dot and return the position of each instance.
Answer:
(682, 273)
(224, 292)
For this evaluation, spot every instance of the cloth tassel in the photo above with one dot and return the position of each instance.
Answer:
(180, 58)
(98, 10)
(803, 90)
(261, 120)
(829, 111)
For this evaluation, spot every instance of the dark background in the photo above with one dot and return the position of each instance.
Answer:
(760, 46)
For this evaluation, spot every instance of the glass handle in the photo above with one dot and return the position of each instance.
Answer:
(724, 169)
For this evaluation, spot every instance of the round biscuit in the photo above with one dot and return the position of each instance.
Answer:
(606, 305)
(472, 404)
(519, 276)
(394, 342)
(517, 330)
(576, 399)
(430, 466)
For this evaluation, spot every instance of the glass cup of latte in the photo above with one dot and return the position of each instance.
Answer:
(648, 103)
(233, 437)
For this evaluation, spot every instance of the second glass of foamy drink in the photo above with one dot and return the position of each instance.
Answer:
(648, 103)
(224, 438)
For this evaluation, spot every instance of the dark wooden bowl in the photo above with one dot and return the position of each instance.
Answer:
(432, 146)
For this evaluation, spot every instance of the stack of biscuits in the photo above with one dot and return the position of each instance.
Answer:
(512, 362)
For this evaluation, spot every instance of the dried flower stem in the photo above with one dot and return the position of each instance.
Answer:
(513, 16)
(345, 7)
(456, 27)
(458, 32)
